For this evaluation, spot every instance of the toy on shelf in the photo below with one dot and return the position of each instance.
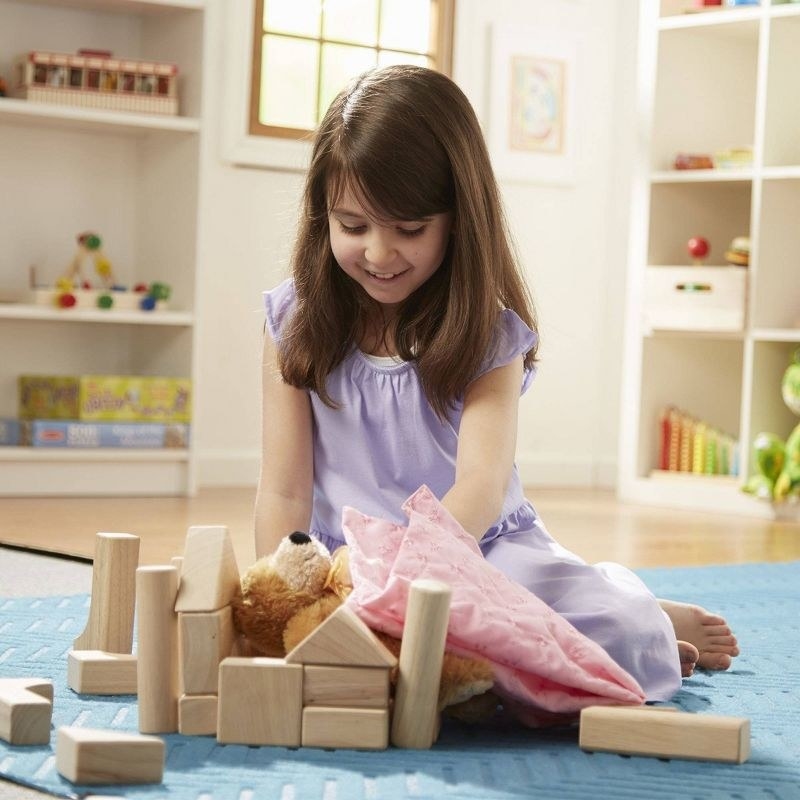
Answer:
(689, 445)
(777, 463)
(698, 248)
(93, 79)
(74, 290)
(734, 158)
(693, 161)
(89, 245)
(738, 253)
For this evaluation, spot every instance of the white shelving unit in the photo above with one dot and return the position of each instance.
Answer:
(709, 81)
(132, 178)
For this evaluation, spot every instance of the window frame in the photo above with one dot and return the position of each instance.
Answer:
(442, 51)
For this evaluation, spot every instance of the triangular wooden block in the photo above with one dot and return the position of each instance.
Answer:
(343, 639)
(209, 575)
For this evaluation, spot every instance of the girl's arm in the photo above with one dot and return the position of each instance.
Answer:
(285, 486)
(487, 443)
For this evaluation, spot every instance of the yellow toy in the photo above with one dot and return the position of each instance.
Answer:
(89, 245)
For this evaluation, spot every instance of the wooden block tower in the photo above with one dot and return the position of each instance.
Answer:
(209, 581)
(332, 690)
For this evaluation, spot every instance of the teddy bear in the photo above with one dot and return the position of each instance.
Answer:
(288, 593)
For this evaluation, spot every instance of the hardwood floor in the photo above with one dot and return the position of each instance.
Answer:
(591, 523)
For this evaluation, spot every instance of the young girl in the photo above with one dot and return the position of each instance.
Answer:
(396, 355)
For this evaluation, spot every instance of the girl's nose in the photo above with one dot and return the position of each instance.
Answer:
(379, 249)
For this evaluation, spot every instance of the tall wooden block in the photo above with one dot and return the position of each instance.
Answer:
(646, 732)
(416, 714)
(92, 756)
(260, 702)
(209, 577)
(355, 728)
(197, 715)
(206, 637)
(110, 624)
(96, 672)
(356, 687)
(26, 709)
(157, 638)
(342, 639)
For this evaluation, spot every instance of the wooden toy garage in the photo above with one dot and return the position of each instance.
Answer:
(96, 80)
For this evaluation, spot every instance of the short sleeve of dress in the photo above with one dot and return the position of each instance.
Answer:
(278, 303)
(512, 338)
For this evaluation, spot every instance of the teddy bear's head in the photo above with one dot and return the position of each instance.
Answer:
(277, 586)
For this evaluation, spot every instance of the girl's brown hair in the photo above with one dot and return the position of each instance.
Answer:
(405, 140)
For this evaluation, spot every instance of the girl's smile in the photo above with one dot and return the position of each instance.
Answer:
(389, 259)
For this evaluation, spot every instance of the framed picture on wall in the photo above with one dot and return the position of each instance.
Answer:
(532, 104)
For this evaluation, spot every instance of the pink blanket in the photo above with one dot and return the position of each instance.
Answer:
(539, 659)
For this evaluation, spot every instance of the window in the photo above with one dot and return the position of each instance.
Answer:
(305, 51)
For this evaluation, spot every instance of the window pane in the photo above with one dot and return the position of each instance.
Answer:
(405, 24)
(300, 17)
(288, 82)
(388, 57)
(351, 21)
(340, 63)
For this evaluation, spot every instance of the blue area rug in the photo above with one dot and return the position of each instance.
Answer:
(762, 603)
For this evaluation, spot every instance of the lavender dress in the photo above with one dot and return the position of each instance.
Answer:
(384, 441)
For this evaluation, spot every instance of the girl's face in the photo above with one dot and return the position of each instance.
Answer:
(390, 260)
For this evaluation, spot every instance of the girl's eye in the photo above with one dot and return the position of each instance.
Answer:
(411, 232)
(352, 230)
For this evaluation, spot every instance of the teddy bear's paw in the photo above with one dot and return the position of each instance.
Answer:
(481, 708)
(463, 678)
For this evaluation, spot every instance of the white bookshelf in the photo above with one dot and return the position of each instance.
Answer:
(709, 81)
(135, 180)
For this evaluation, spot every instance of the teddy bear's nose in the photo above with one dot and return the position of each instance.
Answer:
(299, 538)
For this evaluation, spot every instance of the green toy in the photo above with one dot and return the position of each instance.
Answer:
(778, 462)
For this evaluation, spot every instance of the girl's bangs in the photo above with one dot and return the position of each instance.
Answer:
(384, 196)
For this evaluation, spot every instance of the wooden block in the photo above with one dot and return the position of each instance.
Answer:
(648, 732)
(342, 640)
(96, 672)
(26, 709)
(352, 687)
(197, 715)
(206, 637)
(157, 639)
(416, 715)
(260, 702)
(354, 728)
(209, 577)
(92, 756)
(110, 624)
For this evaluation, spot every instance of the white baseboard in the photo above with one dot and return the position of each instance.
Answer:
(240, 468)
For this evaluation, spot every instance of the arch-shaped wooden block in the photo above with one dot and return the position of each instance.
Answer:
(110, 624)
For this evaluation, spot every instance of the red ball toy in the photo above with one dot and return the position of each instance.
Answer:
(698, 247)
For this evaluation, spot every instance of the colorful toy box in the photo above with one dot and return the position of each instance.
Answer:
(66, 433)
(112, 398)
(9, 432)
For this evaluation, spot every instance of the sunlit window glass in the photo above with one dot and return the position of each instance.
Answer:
(406, 25)
(349, 21)
(306, 51)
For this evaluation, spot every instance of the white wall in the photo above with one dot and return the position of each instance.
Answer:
(572, 239)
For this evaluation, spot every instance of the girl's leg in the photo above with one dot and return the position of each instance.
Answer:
(605, 602)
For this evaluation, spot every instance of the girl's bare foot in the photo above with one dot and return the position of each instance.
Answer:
(688, 654)
(708, 632)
